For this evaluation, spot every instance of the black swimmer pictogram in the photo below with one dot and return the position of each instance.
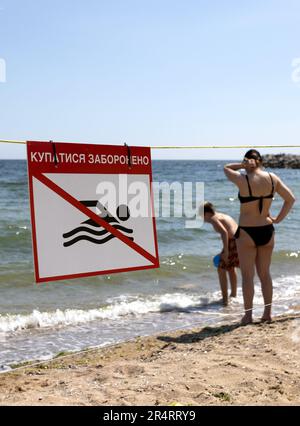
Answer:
(93, 232)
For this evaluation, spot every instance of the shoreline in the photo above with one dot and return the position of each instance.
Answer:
(218, 365)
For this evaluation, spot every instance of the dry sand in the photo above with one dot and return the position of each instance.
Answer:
(229, 365)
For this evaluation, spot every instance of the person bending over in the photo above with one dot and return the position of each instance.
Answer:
(226, 226)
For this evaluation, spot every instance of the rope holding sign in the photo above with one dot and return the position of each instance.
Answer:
(128, 155)
(54, 153)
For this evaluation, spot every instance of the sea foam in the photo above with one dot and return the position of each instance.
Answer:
(120, 307)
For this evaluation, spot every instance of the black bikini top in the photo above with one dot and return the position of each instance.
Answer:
(253, 198)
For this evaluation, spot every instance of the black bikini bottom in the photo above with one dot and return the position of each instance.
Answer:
(261, 235)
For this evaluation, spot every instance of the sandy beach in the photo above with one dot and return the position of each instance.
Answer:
(227, 365)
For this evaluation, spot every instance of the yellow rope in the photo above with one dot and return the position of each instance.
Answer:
(193, 146)
(4, 141)
(225, 146)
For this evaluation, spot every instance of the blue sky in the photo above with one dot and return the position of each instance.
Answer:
(150, 72)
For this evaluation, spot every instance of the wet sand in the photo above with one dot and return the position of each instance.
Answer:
(227, 365)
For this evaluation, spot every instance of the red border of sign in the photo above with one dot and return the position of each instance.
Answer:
(76, 204)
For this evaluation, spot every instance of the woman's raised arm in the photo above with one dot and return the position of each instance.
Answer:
(231, 172)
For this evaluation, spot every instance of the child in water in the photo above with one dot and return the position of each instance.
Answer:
(226, 226)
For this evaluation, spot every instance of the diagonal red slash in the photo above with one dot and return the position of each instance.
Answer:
(75, 203)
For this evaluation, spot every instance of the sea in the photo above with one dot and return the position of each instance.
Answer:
(37, 322)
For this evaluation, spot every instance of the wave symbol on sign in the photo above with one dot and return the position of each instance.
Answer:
(91, 231)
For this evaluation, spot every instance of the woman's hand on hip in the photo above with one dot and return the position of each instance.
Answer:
(273, 219)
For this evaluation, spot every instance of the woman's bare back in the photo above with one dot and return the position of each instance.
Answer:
(260, 185)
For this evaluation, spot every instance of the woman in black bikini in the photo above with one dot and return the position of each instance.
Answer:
(255, 234)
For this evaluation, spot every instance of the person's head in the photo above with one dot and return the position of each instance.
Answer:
(208, 211)
(252, 160)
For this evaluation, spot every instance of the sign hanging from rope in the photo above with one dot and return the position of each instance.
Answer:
(91, 209)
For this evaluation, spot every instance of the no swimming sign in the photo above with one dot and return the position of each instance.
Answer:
(91, 209)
